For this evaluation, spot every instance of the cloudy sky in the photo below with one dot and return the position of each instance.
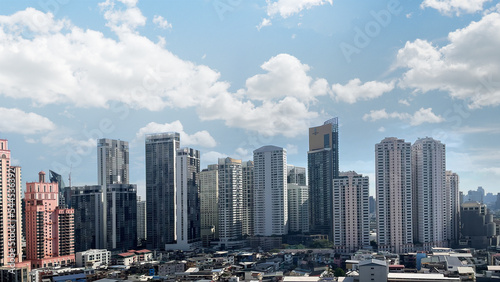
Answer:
(234, 75)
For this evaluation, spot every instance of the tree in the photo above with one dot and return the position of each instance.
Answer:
(339, 272)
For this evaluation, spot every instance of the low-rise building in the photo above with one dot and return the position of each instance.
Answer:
(93, 258)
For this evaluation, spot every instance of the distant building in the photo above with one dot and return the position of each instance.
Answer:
(351, 216)
(394, 195)
(478, 230)
(322, 168)
(373, 270)
(93, 257)
(230, 201)
(270, 191)
(141, 220)
(121, 217)
(247, 170)
(57, 178)
(209, 204)
(372, 204)
(296, 175)
(298, 208)
(452, 206)
(161, 150)
(10, 210)
(49, 228)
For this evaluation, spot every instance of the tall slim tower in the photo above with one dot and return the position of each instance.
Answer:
(452, 206)
(187, 212)
(10, 210)
(247, 169)
(141, 221)
(270, 191)
(394, 195)
(112, 168)
(430, 220)
(351, 213)
(49, 229)
(161, 150)
(56, 177)
(322, 168)
(209, 204)
(230, 201)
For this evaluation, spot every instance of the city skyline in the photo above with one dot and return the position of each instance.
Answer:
(246, 75)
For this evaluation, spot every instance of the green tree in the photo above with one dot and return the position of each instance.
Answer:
(339, 272)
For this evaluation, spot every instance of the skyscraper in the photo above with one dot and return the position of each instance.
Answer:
(187, 212)
(121, 217)
(394, 195)
(247, 169)
(322, 168)
(161, 150)
(112, 168)
(297, 175)
(57, 178)
(270, 191)
(10, 210)
(430, 220)
(209, 204)
(351, 212)
(49, 228)
(298, 208)
(230, 201)
(141, 221)
(452, 206)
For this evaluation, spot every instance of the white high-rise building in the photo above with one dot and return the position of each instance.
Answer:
(351, 212)
(298, 208)
(209, 204)
(452, 206)
(230, 202)
(270, 191)
(394, 195)
(430, 220)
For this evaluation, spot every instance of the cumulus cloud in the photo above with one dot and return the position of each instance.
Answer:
(419, 117)
(161, 22)
(18, 121)
(457, 7)
(287, 8)
(354, 90)
(263, 23)
(467, 68)
(200, 138)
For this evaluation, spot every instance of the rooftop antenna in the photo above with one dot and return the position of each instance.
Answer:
(69, 178)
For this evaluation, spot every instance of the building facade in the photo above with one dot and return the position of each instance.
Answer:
(298, 208)
(230, 201)
(322, 168)
(10, 210)
(187, 217)
(430, 221)
(296, 175)
(452, 206)
(209, 204)
(247, 169)
(161, 152)
(351, 212)
(394, 195)
(49, 229)
(121, 217)
(56, 177)
(270, 191)
(141, 221)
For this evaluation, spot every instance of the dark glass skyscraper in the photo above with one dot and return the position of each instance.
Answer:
(323, 167)
(160, 188)
(57, 178)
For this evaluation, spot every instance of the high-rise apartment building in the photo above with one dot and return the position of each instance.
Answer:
(141, 221)
(394, 195)
(430, 219)
(351, 212)
(452, 206)
(161, 150)
(322, 168)
(49, 229)
(298, 208)
(209, 204)
(121, 217)
(10, 210)
(187, 212)
(247, 169)
(270, 191)
(230, 201)
(296, 175)
(112, 168)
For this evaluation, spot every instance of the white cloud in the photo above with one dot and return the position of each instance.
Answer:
(466, 68)
(200, 138)
(263, 23)
(292, 149)
(286, 76)
(354, 90)
(287, 8)
(212, 157)
(122, 21)
(419, 117)
(17, 121)
(381, 129)
(404, 102)
(457, 7)
(161, 22)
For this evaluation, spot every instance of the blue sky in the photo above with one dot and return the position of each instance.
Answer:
(234, 75)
